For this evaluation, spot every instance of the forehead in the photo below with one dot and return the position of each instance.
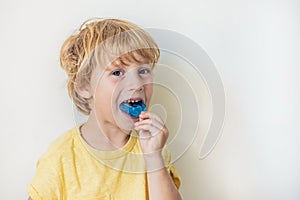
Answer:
(130, 59)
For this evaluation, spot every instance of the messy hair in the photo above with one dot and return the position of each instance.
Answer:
(97, 43)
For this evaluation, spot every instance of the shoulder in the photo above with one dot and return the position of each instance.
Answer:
(61, 145)
(48, 180)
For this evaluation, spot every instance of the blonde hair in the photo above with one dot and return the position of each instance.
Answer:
(96, 40)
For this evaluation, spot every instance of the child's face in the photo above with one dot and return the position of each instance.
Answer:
(116, 84)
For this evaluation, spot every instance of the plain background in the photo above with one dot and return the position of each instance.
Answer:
(255, 46)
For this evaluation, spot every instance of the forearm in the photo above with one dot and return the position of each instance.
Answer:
(160, 183)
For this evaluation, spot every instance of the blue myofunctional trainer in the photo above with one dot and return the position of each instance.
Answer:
(133, 109)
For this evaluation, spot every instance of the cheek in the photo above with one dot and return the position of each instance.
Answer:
(102, 102)
(103, 96)
(148, 92)
(106, 95)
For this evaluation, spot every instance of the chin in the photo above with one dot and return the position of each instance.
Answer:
(126, 127)
(125, 123)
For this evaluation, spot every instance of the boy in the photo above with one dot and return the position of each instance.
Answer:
(118, 152)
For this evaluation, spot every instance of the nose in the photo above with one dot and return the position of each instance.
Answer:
(134, 82)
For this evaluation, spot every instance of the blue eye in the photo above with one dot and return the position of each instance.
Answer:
(117, 73)
(144, 71)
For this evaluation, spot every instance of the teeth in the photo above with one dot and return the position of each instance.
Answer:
(132, 101)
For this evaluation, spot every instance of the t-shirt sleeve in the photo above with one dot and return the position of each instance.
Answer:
(170, 167)
(174, 175)
(46, 183)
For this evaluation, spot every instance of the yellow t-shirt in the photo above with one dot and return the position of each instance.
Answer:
(73, 170)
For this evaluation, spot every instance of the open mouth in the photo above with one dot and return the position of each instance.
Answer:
(133, 107)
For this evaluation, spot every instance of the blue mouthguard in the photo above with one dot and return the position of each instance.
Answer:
(133, 109)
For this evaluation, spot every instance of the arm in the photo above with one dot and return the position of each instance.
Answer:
(160, 183)
(153, 135)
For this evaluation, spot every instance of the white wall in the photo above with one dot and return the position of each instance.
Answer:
(255, 46)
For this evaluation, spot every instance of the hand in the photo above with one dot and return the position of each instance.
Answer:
(153, 134)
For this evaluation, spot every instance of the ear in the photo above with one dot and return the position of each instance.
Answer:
(84, 91)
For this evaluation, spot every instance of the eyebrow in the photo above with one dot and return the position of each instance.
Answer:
(111, 67)
(120, 66)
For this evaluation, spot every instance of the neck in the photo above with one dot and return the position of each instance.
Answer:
(103, 135)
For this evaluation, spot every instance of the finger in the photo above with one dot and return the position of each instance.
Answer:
(151, 122)
(144, 134)
(153, 130)
(148, 115)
